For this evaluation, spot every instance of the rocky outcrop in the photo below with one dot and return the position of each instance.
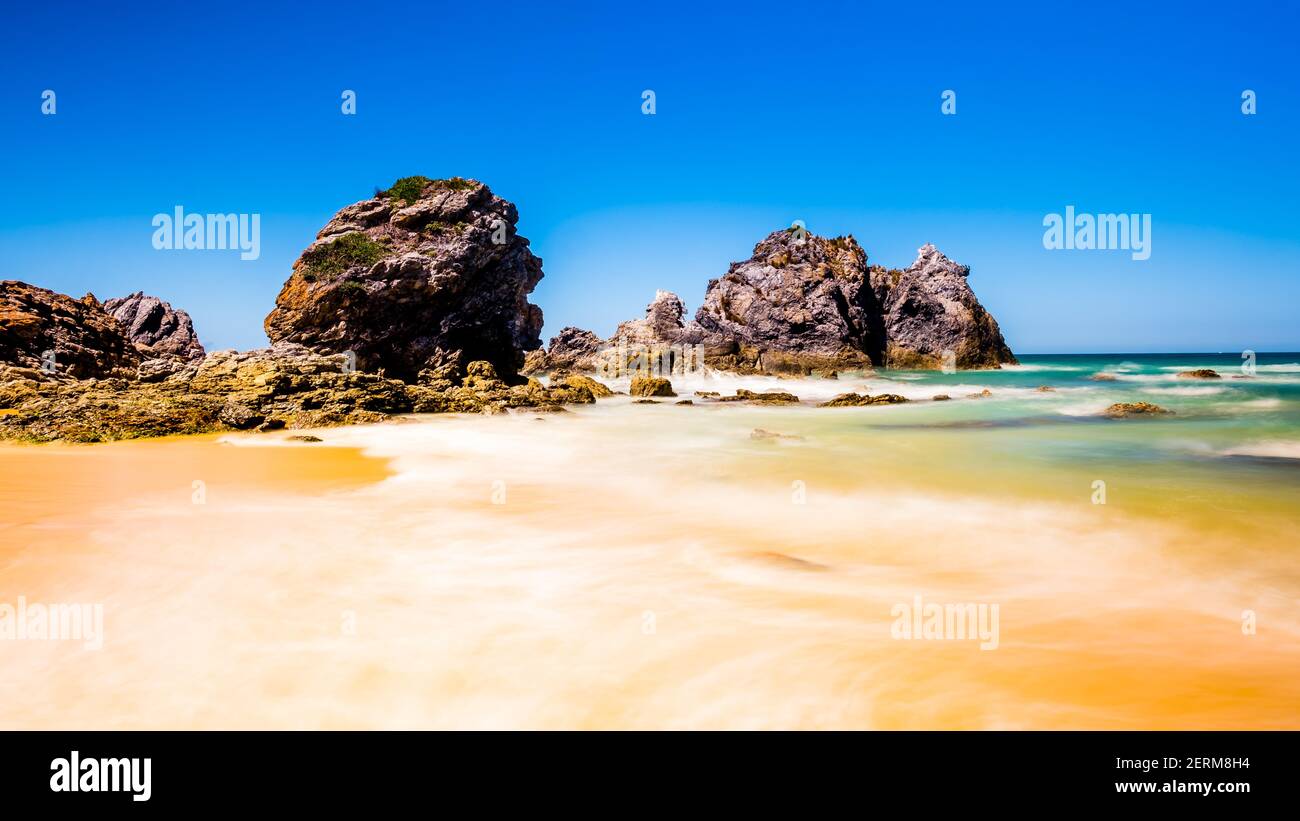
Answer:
(932, 318)
(799, 304)
(805, 304)
(155, 328)
(284, 386)
(572, 349)
(61, 336)
(427, 275)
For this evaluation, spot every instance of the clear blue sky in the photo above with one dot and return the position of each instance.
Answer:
(767, 113)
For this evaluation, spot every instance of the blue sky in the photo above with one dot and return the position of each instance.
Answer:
(766, 113)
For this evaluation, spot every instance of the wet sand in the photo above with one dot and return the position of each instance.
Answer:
(645, 567)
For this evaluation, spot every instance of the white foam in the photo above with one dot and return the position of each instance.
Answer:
(1271, 449)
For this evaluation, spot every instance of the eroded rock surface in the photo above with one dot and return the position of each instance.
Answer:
(427, 274)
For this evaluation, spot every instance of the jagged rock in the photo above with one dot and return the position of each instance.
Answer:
(662, 324)
(771, 397)
(854, 400)
(931, 311)
(572, 349)
(426, 274)
(799, 304)
(1200, 373)
(48, 331)
(651, 386)
(805, 304)
(1121, 410)
(156, 329)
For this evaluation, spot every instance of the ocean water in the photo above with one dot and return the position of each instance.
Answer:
(657, 565)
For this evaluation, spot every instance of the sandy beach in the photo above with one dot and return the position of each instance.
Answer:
(649, 566)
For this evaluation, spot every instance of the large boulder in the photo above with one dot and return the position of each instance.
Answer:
(932, 318)
(800, 303)
(429, 274)
(156, 329)
(57, 334)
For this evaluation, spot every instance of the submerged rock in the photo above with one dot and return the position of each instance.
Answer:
(1121, 410)
(1103, 377)
(427, 274)
(1200, 373)
(57, 335)
(770, 397)
(157, 330)
(852, 400)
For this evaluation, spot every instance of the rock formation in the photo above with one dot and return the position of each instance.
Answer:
(429, 274)
(663, 322)
(799, 304)
(61, 336)
(572, 349)
(805, 304)
(156, 329)
(929, 310)
(284, 386)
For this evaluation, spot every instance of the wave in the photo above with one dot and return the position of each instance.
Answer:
(1269, 449)
(1190, 390)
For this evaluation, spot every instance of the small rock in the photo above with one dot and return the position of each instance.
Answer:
(984, 394)
(854, 400)
(1102, 377)
(761, 434)
(304, 438)
(684, 402)
(651, 386)
(1045, 389)
(598, 389)
(1200, 373)
(941, 397)
(770, 397)
(1122, 409)
(645, 402)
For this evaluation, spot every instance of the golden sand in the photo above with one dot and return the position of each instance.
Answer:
(640, 567)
